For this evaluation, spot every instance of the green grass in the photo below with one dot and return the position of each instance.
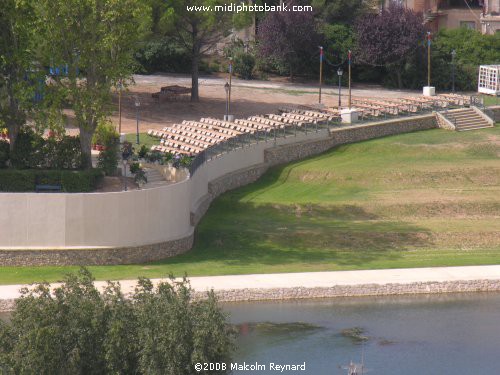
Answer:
(144, 139)
(415, 200)
(491, 100)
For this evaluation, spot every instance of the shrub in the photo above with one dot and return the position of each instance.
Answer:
(244, 64)
(23, 180)
(4, 153)
(81, 181)
(140, 176)
(134, 167)
(107, 136)
(154, 156)
(105, 133)
(31, 150)
(23, 153)
(143, 151)
(17, 180)
(78, 330)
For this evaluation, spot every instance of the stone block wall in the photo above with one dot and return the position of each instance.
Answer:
(96, 256)
(239, 295)
(348, 134)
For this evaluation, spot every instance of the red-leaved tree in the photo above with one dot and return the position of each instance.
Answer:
(288, 39)
(389, 38)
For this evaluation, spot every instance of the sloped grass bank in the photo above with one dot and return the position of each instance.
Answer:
(415, 200)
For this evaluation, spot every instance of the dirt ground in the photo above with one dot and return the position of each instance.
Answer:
(247, 98)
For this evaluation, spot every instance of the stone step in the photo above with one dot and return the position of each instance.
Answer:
(467, 119)
(474, 128)
(471, 122)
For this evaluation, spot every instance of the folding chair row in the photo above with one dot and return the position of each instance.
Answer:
(182, 146)
(253, 124)
(228, 125)
(221, 129)
(198, 140)
(170, 150)
(267, 121)
(194, 135)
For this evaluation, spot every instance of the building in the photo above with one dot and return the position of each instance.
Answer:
(490, 20)
(481, 15)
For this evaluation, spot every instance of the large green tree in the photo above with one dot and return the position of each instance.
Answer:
(196, 29)
(95, 39)
(77, 330)
(16, 73)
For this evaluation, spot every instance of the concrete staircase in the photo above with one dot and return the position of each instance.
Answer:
(154, 177)
(467, 119)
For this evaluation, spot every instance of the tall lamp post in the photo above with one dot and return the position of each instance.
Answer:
(226, 87)
(120, 86)
(230, 83)
(339, 73)
(137, 105)
(320, 72)
(453, 55)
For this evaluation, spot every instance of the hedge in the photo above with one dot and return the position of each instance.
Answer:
(24, 180)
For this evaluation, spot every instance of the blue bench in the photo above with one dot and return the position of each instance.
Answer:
(44, 188)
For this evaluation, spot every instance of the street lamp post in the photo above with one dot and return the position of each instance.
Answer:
(226, 87)
(339, 73)
(453, 55)
(120, 87)
(137, 105)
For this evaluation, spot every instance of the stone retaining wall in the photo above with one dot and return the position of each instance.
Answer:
(96, 256)
(238, 295)
(494, 112)
(348, 134)
(242, 295)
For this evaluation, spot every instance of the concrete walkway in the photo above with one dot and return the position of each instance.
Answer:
(310, 280)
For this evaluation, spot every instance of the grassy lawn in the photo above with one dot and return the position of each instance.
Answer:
(415, 200)
(491, 100)
(144, 139)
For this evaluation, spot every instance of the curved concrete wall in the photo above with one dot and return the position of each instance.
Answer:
(150, 224)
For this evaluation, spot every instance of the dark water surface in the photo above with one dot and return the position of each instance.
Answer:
(455, 334)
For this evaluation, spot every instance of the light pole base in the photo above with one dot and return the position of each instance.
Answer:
(429, 91)
(229, 118)
(349, 116)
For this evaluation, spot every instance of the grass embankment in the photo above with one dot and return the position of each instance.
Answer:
(421, 199)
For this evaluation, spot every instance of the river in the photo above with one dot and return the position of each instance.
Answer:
(455, 334)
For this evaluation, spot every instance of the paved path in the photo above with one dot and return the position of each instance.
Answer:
(317, 279)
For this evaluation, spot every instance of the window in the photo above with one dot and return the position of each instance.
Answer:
(468, 24)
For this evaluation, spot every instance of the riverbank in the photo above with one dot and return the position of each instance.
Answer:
(287, 286)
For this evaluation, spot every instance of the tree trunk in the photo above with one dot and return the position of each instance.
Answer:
(194, 77)
(13, 129)
(86, 146)
(15, 118)
(399, 77)
(195, 63)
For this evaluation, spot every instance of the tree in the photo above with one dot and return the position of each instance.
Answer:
(16, 18)
(77, 330)
(341, 11)
(390, 38)
(197, 31)
(288, 39)
(95, 40)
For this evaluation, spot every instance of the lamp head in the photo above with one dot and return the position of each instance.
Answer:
(340, 72)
